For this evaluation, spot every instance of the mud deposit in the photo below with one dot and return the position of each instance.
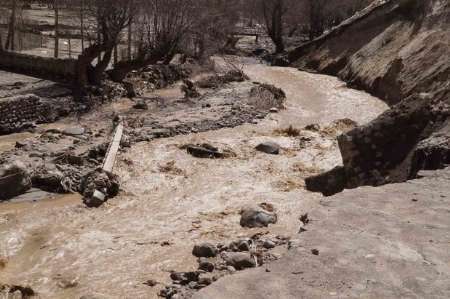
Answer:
(171, 201)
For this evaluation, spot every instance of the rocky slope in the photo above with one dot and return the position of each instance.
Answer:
(397, 50)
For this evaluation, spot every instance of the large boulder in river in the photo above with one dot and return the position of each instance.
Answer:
(14, 180)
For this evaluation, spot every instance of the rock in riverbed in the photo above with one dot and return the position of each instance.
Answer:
(98, 186)
(257, 218)
(204, 151)
(204, 250)
(239, 260)
(14, 180)
(268, 148)
(74, 131)
(141, 105)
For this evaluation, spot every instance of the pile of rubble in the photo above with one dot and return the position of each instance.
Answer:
(153, 77)
(217, 81)
(216, 261)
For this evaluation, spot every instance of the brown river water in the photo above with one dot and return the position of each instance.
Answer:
(150, 228)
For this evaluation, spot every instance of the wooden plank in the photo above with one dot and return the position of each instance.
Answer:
(110, 159)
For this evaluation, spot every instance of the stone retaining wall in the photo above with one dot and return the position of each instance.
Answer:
(42, 67)
(17, 113)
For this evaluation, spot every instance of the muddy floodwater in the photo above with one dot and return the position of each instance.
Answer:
(171, 200)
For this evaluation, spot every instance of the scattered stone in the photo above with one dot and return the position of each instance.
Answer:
(269, 148)
(269, 244)
(98, 186)
(273, 110)
(74, 131)
(204, 151)
(151, 283)
(141, 105)
(205, 280)
(184, 278)
(14, 180)
(204, 250)
(16, 291)
(217, 81)
(241, 245)
(315, 251)
(169, 292)
(239, 260)
(189, 90)
(205, 265)
(257, 218)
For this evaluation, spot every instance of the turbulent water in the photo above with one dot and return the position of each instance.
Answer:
(171, 200)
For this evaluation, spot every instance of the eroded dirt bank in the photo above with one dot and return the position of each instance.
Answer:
(171, 200)
(392, 49)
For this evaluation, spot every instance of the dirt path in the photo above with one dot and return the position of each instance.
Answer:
(167, 207)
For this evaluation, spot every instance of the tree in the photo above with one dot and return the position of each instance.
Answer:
(273, 13)
(112, 17)
(56, 10)
(10, 38)
(317, 18)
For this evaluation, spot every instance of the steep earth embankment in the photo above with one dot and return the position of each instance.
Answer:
(393, 49)
(397, 50)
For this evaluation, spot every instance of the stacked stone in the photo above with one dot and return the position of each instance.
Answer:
(17, 111)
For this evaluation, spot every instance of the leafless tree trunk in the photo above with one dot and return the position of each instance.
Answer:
(10, 39)
(56, 10)
(273, 12)
(112, 17)
(317, 18)
(130, 37)
(82, 24)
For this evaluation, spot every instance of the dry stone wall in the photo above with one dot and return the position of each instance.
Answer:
(20, 112)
